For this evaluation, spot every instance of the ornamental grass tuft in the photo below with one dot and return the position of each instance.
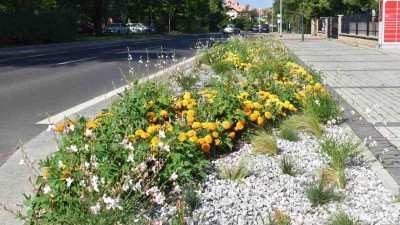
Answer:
(317, 194)
(341, 152)
(303, 123)
(236, 173)
(324, 107)
(336, 176)
(340, 218)
(289, 134)
(264, 143)
(287, 166)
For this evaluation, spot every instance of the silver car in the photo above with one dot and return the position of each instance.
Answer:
(231, 29)
(117, 28)
(138, 28)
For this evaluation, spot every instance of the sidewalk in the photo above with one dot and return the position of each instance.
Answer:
(369, 81)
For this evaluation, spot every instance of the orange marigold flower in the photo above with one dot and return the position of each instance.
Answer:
(317, 86)
(60, 128)
(205, 148)
(239, 125)
(191, 112)
(201, 141)
(132, 137)
(211, 126)
(268, 115)
(232, 135)
(247, 111)
(190, 119)
(254, 116)
(226, 125)
(193, 139)
(309, 88)
(217, 142)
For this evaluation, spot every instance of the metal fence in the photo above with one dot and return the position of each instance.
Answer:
(361, 24)
(321, 24)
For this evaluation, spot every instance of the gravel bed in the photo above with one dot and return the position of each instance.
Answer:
(366, 199)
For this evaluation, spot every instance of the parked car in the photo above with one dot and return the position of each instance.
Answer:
(231, 29)
(264, 28)
(256, 28)
(138, 28)
(116, 28)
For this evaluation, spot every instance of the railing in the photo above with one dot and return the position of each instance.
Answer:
(361, 24)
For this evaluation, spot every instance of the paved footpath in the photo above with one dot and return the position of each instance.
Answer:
(369, 81)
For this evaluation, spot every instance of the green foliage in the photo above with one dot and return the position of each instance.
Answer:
(237, 173)
(340, 152)
(340, 218)
(324, 107)
(26, 27)
(186, 81)
(397, 198)
(288, 134)
(264, 143)
(303, 122)
(279, 218)
(317, 194)
(287, 166)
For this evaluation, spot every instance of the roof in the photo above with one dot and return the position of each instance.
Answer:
(232, 4)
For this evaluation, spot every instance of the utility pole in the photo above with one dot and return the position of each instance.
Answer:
(280, 24)
(272, 25)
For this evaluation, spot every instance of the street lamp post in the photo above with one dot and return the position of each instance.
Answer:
(280, 24)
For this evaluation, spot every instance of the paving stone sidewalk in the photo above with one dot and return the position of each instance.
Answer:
(369, 81)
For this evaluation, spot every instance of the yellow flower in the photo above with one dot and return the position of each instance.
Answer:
(193, 139)
(260, 121)
(190, 119)
(239, 125)
(145, 135)
(191, 133)
(309, 88)
(247, 111)
(254, 116)
(150, 103)
(232, 135)
(46, 172)
(92, 124)
(226, 125)
(201, 141)
(139, 132)
(191, 112)
(208, 139)
(317, 86)
(187, 96)
(104, 115)
(215, 134)
(164, 113)
(217, 142)
(268, 115)
(196, 125)
(182, 137)
(211, 126)
(205, 148)
(257, 105)
(154, 141)
(132, 137)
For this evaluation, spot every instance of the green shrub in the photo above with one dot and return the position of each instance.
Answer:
(317, 194)
(340, 152)
(324, 107)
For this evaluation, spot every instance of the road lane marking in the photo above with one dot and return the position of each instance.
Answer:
(62, 115)
(73, 61)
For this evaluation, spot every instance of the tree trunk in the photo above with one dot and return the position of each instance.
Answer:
(97, 16)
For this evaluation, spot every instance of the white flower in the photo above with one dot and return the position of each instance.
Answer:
(22, 162)
(334, 121)
(177, 189)
(143, 166)
(86, 147)
(88, 133)
(166, 148)
(352, 112)
(69, 181)
(73, 148)
(46, 189)
(102, 180)
(160, 144)
(95, 209)
(112, 203)
(137, 186)
(174, 176)
(60, 164)
(159, 199)
(317, 102)
(161, 134)
(51, 127)
(72, 127)
(125, 187)
(130, 158)
(82, 183)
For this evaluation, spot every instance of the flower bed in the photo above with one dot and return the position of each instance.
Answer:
(152, 142)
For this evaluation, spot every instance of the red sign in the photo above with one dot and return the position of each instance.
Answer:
(391, 21)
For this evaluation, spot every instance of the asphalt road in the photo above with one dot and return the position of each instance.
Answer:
(33, 87)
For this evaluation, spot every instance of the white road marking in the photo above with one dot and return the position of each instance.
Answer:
(62, 115)
(73, 61)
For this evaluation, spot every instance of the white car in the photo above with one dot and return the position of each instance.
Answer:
(231, 29)
(117, 28)
(138, 28)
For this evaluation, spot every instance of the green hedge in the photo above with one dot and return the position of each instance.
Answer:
(27, 27)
